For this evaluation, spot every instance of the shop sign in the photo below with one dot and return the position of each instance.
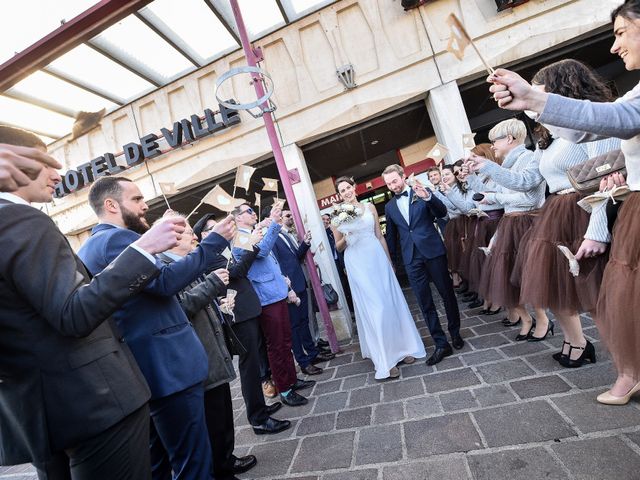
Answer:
(183, 131)
(326, 202)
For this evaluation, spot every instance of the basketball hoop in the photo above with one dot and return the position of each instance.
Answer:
(257, 74)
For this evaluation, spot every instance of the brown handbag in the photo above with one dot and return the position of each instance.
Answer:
(585, 178)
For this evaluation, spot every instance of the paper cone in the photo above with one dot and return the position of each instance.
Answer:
(468, 141)
(220, 199)
(168, 188)
(438, 152)
(270, 185)
(458, 39)
(243, 176)
(243, 240)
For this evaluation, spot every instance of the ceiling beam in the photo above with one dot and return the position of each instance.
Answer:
(283, 11)
(85, 86)
(156, 24)
(64, 38)
(25, 97)
(125, 60)
(226, 20)
(55, 136)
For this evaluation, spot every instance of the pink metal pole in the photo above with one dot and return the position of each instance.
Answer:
(286, 181)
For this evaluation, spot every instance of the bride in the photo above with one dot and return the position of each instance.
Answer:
(387, 332)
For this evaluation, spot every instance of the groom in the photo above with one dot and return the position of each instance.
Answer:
(411, 215)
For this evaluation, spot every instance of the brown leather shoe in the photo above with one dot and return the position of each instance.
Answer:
(269, 389)
(311, 370)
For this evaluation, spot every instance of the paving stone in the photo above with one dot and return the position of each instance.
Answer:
(388, 413)
(379, 444)
(449, 363)
(440, 382)
(366, 474)
(521, 349)
(591, 416)
(472, 321)
(598, 375)
(418, 368)
(438, 435)
(316, 453)
(331, 402)
(350, 383)
(634, 437)
(297, 412)
(592, 333)
(460, 400)
(484, 356)
(488, 341)
(364, 366)
(316, 424)
(327, 387)
(503, 371)
(365, 396)
(354, 418)
(535, 421)
(400, 390)
(544, 362)
(279, 454)
(451, 468)
(493, 395)
(521, 464)
(342, 359)
(540, 386)
(422, 407)
(491, 327)
(599, 458)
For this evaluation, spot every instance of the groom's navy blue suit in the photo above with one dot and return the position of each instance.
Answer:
(425, 259)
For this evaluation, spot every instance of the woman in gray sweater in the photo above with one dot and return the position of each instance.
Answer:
(618, 302)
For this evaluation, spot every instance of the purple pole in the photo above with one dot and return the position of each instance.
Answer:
(284, 177)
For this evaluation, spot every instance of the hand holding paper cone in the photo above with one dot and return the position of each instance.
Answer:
(220, 199)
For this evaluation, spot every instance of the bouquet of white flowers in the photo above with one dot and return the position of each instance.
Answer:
(344, 213)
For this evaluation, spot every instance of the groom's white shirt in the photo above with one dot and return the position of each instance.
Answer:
(403, 204)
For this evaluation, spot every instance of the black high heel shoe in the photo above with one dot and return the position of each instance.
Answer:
(521, 338)
(463, 287)
(488, 311)
(550, 328)
(508, 323)
(588, 353)
(558, 355)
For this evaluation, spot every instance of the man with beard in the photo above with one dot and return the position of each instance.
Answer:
(160, 336)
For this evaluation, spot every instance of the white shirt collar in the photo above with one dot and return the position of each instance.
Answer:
(10, 197)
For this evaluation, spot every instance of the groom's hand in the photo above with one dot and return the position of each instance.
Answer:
(421, 191)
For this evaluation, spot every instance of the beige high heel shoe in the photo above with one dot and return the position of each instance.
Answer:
(609, 399)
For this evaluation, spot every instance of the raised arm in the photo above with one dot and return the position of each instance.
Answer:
(522, 181)
(194, 299)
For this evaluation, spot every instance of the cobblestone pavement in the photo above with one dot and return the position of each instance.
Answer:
(495, 410)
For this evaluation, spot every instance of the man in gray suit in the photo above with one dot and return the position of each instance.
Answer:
(72, 399)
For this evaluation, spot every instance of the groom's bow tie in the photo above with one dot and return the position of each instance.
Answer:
(403, 194)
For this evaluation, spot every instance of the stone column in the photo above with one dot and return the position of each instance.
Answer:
(306, 198)
(449, 118)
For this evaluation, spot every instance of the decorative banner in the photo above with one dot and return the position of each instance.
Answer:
(243, 176)
(220, 199)
(270, 185)
(467, 141)
(459, 39)
(243, 240)
(226, 253)
(168, 188)
(258, 199)
(438, 152)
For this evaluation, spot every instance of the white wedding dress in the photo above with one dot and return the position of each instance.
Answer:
(386, 328)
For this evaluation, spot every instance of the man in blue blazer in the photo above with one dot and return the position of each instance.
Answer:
(161, 338)
(290, 254)
(410, 215)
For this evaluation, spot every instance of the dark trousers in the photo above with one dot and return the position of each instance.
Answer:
(218, 411)
(274, 321)
(304, 348)
(248, 332)
(119, 453)
(423, 270)
(265, 369)
(179, 438)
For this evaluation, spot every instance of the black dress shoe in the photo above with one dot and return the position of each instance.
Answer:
(243, 464)
(322, 343)
(469, 297)
(457, 342)
(311, 370)
(271, 426)
(323, 357)
(273, 408)
(439, 354)
(302, 384)
(326, 350)
(488, 311)
(475, 304)
(293, 399)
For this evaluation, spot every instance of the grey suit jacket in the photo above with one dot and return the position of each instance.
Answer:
(64, 375)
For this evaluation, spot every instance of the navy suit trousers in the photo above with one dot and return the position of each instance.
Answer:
(303, 347)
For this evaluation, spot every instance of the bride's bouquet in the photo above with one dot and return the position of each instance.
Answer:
(344, 213)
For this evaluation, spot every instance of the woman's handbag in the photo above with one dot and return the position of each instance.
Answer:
(585, 178)
(330, 295)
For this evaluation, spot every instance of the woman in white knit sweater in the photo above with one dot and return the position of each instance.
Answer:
(618, 302)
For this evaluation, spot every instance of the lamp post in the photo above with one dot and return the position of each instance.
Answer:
(252, 59)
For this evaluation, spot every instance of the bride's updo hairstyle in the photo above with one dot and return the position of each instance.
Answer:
(349, 180)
